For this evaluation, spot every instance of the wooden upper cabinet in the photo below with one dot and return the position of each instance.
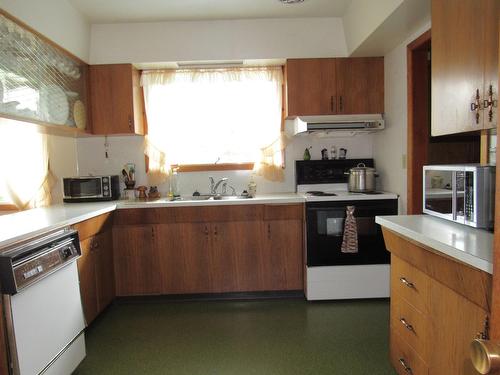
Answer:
(116, 100)
(464, 64)
(310, 87)
(334, 86)
(360, 85)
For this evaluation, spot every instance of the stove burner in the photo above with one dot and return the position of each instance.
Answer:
(316, 193)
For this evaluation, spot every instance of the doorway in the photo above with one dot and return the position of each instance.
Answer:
(423, 149)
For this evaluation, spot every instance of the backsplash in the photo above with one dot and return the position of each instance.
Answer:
(129, 149)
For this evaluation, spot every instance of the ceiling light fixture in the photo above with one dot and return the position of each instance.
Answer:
(288, 2)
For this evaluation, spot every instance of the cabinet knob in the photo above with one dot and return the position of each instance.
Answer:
(408, 326)
(332, 103)
(407, 283)
(341, 104)
(269, 231)
(407, 368)
(130, 123)
(490, 103)
(485, 356)
(475, 106)
(206, 230)
(215, 230)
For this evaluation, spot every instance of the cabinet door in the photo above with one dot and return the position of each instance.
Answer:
(456, 322)
(135, 260)
(283, 254)
(311, 87)
(491, 14)
(236, 257)
(360, 85)
(105, 269)
(87, 275)
(457, 64)
(183, 251)
(115, 99)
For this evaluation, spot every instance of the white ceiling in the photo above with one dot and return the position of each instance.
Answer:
(116, 11)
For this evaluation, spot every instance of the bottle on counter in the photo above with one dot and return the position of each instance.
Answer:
(333, 153)
(252, 188)
(307, 154)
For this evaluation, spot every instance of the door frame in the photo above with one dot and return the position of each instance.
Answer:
(418, 136)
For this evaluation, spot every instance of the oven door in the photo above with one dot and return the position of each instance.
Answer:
(325, 232)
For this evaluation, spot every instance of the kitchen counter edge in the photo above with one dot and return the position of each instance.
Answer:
(468, 245)
(24, 225)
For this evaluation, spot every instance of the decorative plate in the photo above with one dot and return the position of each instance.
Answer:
(79, 115)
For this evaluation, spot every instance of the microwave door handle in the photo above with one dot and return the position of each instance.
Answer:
(454, 195)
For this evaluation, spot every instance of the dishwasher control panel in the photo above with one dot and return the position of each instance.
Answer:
(32, 261)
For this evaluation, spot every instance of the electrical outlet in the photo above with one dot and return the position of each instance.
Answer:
(403, 161)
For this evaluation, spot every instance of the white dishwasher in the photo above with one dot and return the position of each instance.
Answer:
(42, 304)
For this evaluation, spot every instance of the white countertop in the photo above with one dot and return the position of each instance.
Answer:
(278, 198)
(469, 245)
(23, 225)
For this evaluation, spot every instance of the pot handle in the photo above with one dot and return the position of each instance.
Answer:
(363, 165)
(347, 173)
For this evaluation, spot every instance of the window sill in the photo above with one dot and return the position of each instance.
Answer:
(8, 207)
(214, 167)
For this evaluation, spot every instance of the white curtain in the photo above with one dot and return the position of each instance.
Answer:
(26, 180)
(208, 116)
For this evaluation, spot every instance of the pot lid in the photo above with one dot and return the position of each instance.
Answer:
(362, 168)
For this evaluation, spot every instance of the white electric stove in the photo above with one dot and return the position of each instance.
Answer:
(331, 273)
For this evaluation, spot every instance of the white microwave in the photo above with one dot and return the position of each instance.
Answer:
(463, 193)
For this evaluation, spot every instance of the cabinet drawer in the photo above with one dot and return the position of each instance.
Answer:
(404, 359)
(411, 325)
(409, 283)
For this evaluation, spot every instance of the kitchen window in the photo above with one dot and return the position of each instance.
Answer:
(25, 180)
(205, 119)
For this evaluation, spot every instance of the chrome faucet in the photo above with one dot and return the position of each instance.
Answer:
(214, 186)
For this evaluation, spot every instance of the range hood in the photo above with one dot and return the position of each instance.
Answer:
(337, 123)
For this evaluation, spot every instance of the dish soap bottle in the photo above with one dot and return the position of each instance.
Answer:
(252, 188)
(307, 154)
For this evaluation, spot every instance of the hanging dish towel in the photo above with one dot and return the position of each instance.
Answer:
(350, 241)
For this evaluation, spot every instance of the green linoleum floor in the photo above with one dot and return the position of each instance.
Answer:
(240, 337)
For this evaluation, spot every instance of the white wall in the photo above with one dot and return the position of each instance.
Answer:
(362, 18)
(217, 40)
(91, 160)
(390, 145)
(55, 19)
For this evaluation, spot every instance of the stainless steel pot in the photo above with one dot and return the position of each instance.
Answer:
(361, 179)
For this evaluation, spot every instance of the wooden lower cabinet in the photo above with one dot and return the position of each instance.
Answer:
(283, 251)
(432, 320)
(183, 256)
(181, 251)
(95, 269)
(137, 269)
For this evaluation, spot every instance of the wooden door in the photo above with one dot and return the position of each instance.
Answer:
(455, 323)
(87, 274)
(184, 250)
(105, 269)
(137, 270)
(360, 85)
(310, 87)
(283, 254)
(113, 89)
(457, 64)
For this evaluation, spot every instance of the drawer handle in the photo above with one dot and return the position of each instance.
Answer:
(407, 283)
(408, 326)
(405, 366)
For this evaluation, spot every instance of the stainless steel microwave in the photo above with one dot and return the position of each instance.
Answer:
(91, 188)
(464, 194)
